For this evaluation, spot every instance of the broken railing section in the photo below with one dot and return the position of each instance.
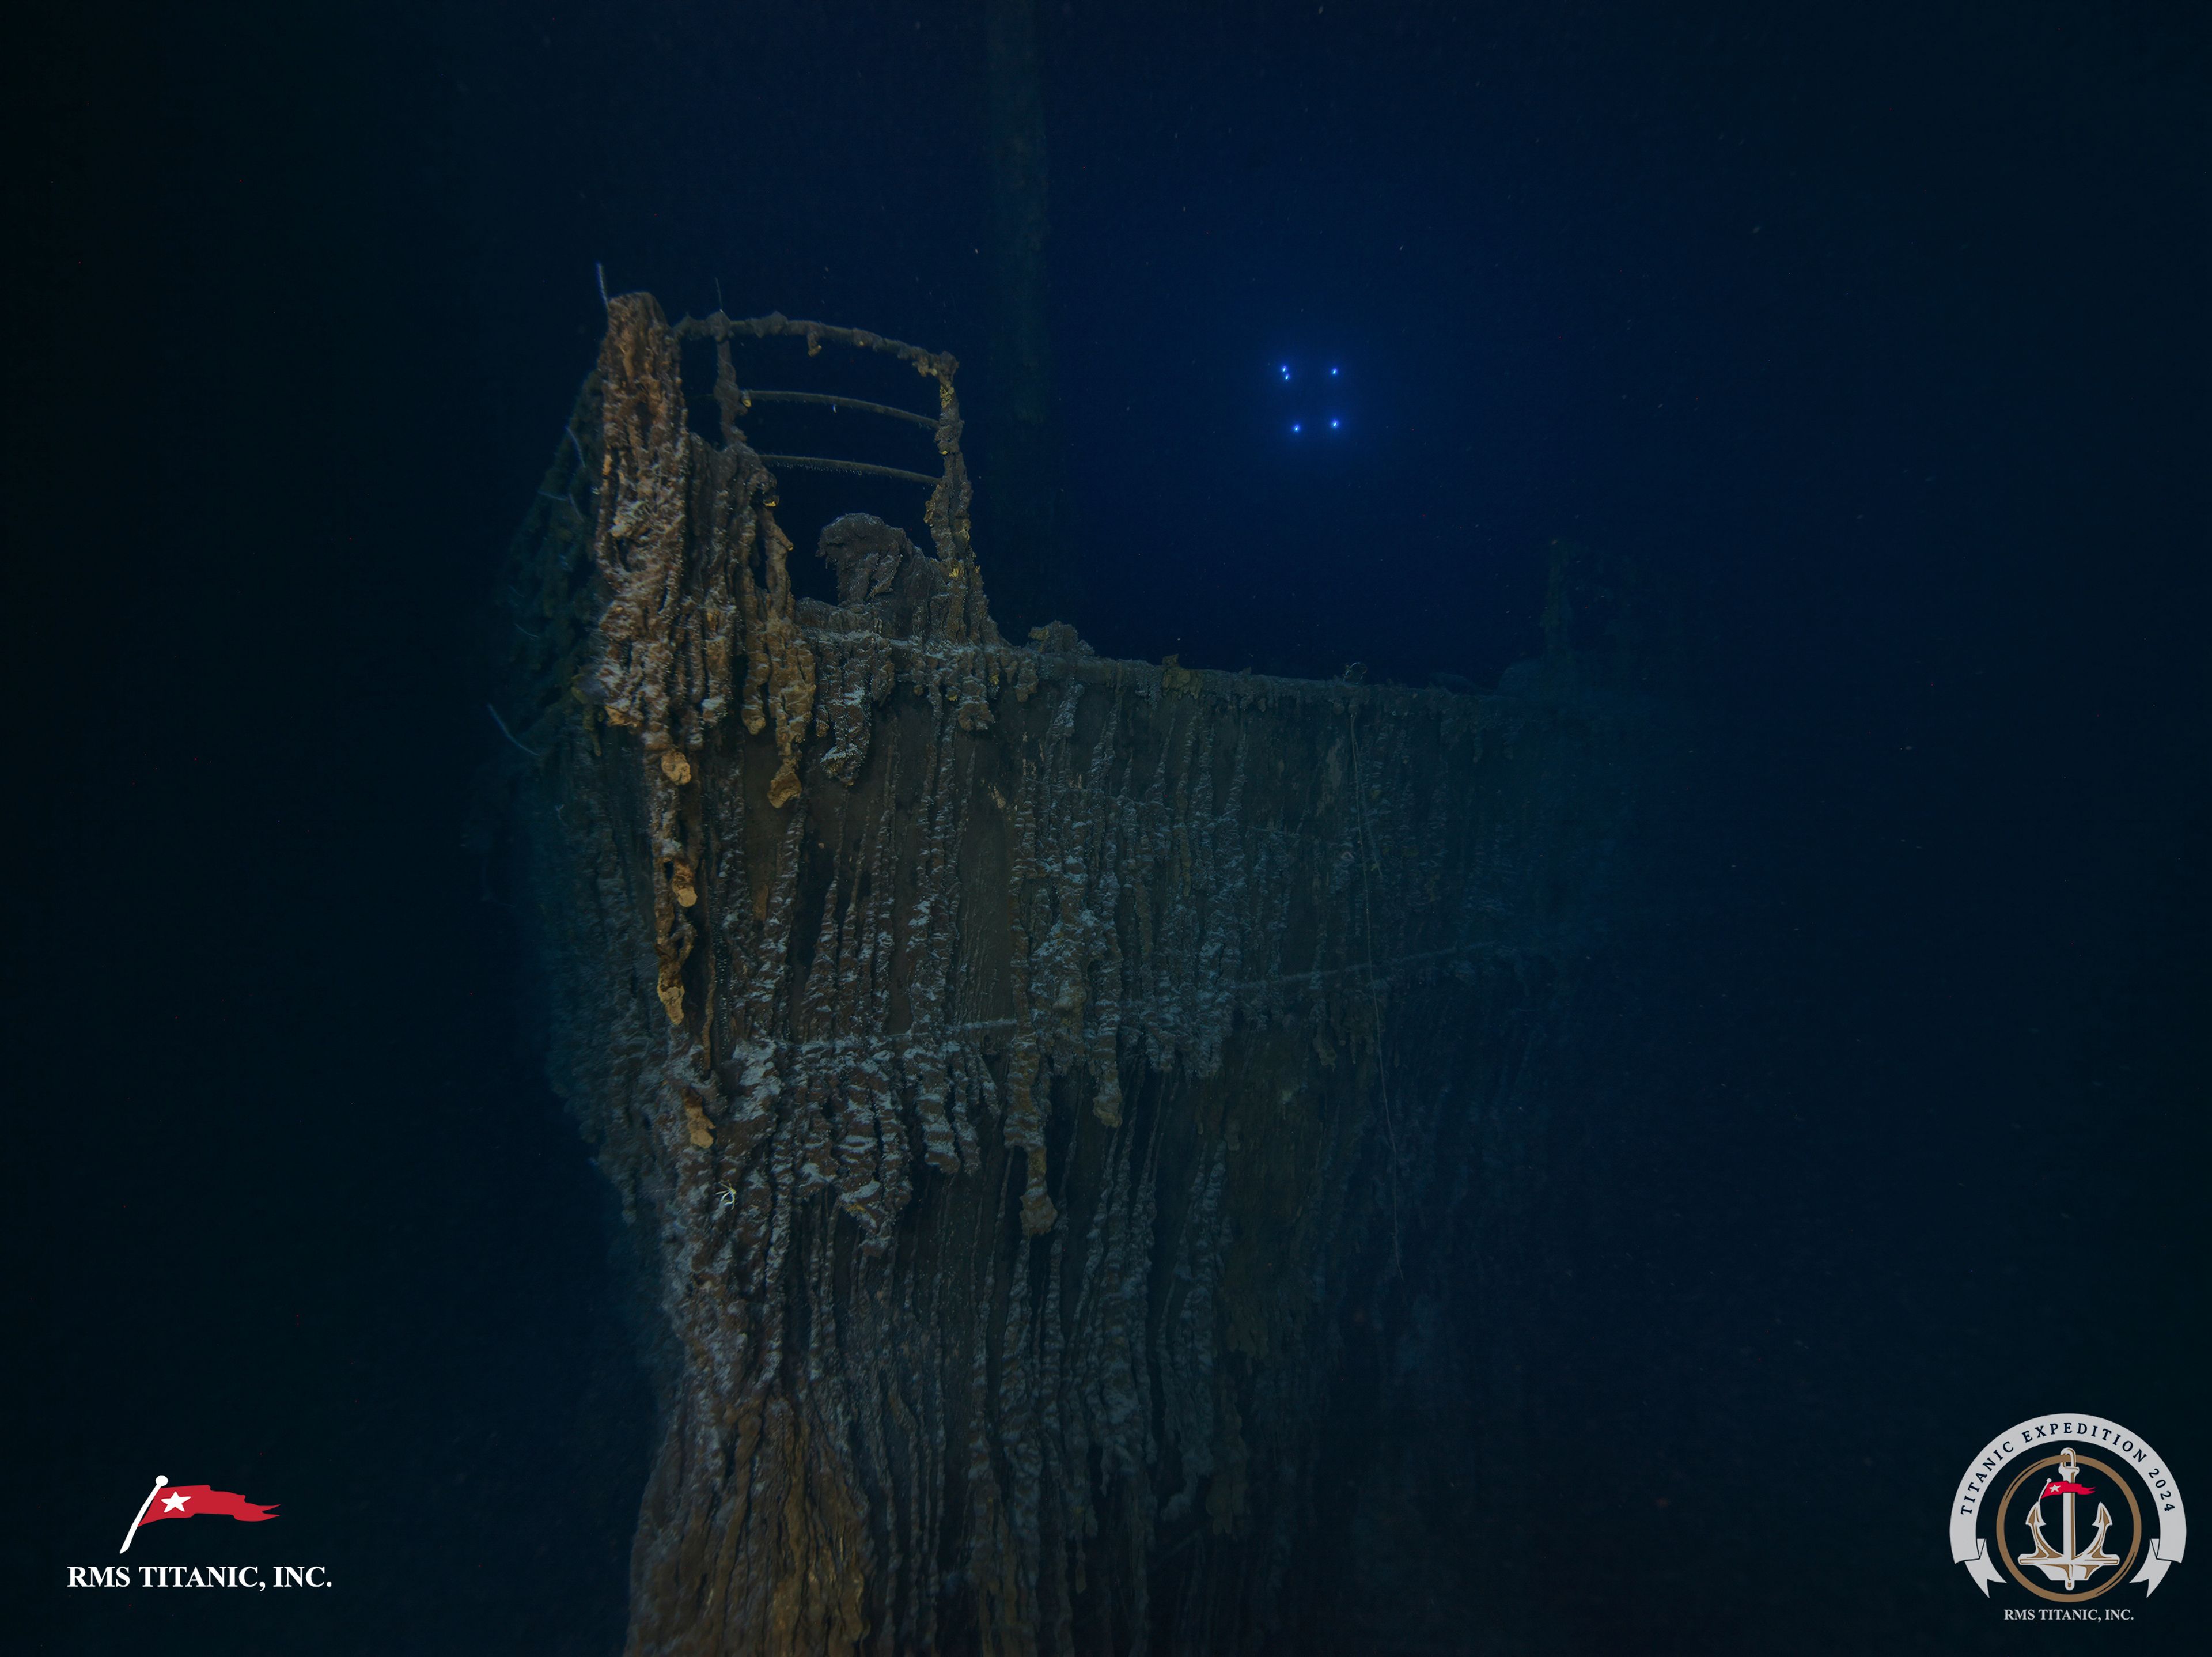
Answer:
(695, 568)
(947, 512)
(1023, 1062)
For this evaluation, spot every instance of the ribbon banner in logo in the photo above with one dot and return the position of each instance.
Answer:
(2168, 1539)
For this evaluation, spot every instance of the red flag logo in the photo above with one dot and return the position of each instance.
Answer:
(168, 1501)
(2066, 1487)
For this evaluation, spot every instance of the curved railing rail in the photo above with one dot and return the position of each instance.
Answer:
(946, 511)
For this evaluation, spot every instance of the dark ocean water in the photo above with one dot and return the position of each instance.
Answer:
(1872, 337)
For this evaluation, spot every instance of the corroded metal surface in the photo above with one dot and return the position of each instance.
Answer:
(1021, 1062)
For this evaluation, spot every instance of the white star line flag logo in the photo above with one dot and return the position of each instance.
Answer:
(190, 1501)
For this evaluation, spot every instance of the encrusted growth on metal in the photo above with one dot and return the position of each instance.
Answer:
(990, 1039)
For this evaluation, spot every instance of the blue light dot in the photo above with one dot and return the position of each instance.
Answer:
(1331, 374)
(1334, 424)
(1286, 371)
(1295, 428)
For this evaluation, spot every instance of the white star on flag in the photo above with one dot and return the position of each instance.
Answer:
(209, 1501)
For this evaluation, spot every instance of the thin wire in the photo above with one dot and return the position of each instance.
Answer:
(534, 752)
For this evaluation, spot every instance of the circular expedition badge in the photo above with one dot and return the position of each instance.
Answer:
(2067, 1508)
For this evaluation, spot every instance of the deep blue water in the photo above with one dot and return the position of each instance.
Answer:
(1875, 336)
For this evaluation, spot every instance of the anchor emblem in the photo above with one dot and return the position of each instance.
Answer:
(2067, 1564)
